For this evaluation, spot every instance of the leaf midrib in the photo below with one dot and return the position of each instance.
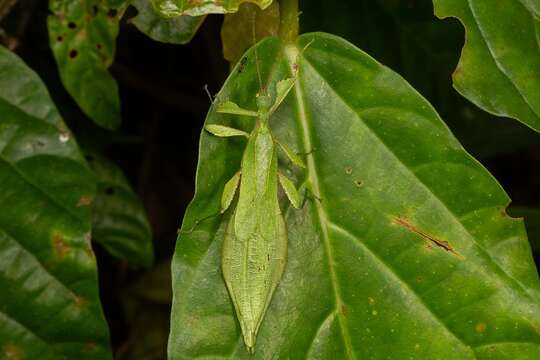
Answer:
(291, 53)
(44, 269)
(324, 218)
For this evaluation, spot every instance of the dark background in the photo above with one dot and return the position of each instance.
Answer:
(164, 106)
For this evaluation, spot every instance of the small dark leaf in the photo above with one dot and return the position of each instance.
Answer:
(237, 30)
(119, 220)
(82, 36)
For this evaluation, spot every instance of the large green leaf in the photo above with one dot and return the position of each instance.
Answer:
(49, 304)
(531, 216)
(172, 8)
(119, 220)
(177, 30)
(402, 251)
(82, 36)
(500, 62)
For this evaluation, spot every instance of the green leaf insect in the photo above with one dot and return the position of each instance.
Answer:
(255, 243)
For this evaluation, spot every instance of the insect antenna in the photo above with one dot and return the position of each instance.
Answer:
(254, 36)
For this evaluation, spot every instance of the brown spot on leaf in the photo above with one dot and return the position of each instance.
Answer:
(344, 310)
(73, 54)
(348, 170)
(59, 38)
(99, 46)
(79, 300)
(83, 34)
(431, 239)
(85, 201)
(109, 191)
(481, 327)
(72, 25)
(60, 246)
(89, 347)
(112, 13)
(359, 183)
(12, 352)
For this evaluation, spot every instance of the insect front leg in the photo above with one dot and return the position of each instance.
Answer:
(228, 107)
(231, 108)
(225, 131)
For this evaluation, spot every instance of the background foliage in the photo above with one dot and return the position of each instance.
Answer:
(155, 101)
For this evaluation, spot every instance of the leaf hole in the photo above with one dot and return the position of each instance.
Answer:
(112, 13)
(359, 183)
(72, 25)
(59, 38)
(95, 10)
(73, 54)
(109, 191)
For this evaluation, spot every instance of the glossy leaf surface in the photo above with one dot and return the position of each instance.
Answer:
(402, 250)
(172, 8)
(177, 30)
(49, 304)
(119, 221)
(500, 61)
(82, 36)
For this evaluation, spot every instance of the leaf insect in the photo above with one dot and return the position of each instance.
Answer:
(255, 242)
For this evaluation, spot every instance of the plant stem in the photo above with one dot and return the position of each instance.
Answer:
(288, 29)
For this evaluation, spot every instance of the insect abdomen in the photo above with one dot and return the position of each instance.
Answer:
(255, 244)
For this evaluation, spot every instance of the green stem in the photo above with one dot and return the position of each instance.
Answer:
(288, 29)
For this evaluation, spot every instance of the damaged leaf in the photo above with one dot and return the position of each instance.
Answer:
(358, 284)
